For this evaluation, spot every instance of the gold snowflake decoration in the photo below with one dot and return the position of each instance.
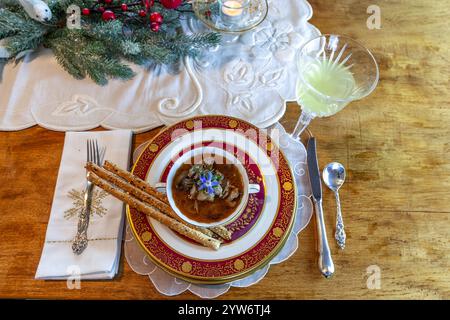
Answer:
(78, 200)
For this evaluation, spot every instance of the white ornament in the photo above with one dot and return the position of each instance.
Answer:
(37, 10)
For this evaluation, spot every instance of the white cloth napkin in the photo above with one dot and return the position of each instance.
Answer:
(101, 257)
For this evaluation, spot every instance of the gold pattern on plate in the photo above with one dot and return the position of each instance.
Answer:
(287, 186)
(239, 264)
(146, 236)
(247, 217)
(186, 267)
(277, 232)
(153, 147)
(78, 203)
(233, 124)
(190, 124)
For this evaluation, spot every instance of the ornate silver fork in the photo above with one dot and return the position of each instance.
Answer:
(81, 240)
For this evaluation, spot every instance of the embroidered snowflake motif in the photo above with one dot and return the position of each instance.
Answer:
(78, 196)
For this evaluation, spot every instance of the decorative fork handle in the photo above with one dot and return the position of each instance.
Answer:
(81, 241)
(340, 232)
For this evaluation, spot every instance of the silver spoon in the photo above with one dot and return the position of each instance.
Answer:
(334, 176)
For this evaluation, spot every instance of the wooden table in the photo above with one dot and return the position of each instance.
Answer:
(396, 200)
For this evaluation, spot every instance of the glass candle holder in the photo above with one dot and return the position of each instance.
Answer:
(231, 16)
(234, 12)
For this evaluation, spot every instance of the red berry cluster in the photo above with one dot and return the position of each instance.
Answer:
(156, 19)
(107, 7)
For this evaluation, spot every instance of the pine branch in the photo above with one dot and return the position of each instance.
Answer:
(157, 54)
(106, 31)
(190, 45)
(98, 49)
(11, 23)
(87, 57)
(13, 5)
(103, 68)
(130, 48)
(19, 32)
(24, 41)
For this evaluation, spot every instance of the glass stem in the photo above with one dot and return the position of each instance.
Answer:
(302, 123)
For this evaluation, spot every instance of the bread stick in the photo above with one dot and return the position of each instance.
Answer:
(155, 214)
(147, 188)
(141, 195)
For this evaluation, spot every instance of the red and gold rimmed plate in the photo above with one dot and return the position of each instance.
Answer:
(258, 233)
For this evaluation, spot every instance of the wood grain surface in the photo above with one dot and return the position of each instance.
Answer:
(396, 200)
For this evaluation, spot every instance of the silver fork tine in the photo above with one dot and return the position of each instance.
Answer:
(94, 153)
(97, 154)
(102, 155)
(88, 150)
(91, 146)
(91, 155)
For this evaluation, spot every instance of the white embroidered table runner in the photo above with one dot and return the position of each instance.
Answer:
(249, 76)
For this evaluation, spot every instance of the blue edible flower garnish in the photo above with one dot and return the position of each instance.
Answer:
(207, 182)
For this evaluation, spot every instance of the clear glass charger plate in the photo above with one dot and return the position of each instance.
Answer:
(170, 285)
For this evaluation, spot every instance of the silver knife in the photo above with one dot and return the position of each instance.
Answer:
(326, 265)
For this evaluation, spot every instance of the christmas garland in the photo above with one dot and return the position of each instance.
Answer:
(96, 38)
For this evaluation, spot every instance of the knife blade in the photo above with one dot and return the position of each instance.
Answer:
(326, 265)
(313, 169)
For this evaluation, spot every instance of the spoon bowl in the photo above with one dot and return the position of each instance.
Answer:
(334, 175)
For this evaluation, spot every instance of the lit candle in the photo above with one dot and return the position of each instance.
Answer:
(232, 9)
